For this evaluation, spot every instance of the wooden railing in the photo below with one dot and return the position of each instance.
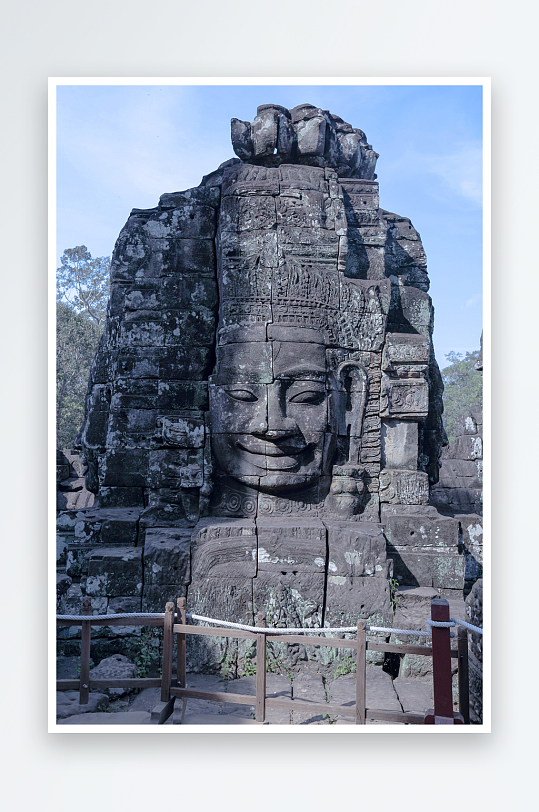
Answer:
(84, 683)
(173, 687)
(440, 651)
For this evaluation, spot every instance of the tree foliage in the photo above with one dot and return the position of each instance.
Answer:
(77, 337)
(82, 292)
(83, 282)
(463, 388)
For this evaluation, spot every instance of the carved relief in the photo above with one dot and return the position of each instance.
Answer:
(404, 390)
(180, 432)
(399, 487)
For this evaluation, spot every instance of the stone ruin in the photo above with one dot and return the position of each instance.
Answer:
(263, 418)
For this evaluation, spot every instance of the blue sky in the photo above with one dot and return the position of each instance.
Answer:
(121, 146)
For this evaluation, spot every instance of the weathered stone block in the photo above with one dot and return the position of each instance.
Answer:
(76, 563)
(405, 398)
(410, 307)
(356, 549)
(167, 466)
(228, 599)
(156, 596)
(199, 194)
(461, 474)
(350, 598)
(467, 447)
(247, 213)
(442, 571)
(291, 547)
(243, 179)
(185, 328)
(302, 177)
(131, 253)
(120, 497)
(131, 428)
(182, 395)
(290, 600)
(166, 556)
(115, 667)
(224, 548)
(147, 333)
(412, 611)
(399, 444)
(135, 364)
(187, 291)
(471, 528)
(125, 469)
(409, 530)
(187, 220)
(114, 571)
(172, 257)
(466, 424)
(258, 243)
(175, 364)
(398, 487)
(109, 527)
(180, 432)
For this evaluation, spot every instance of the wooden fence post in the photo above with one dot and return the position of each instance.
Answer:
(85, 640)
(181, 667)
(464, 685)
(361, 672)
(181, 656)
(260, 712)
(442, 713)
(168, 636)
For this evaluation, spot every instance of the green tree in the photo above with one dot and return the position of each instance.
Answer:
(77, 337)
(82, 292)
(463, 388)
(83, 282)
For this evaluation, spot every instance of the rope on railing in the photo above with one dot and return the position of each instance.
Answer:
(275, 630)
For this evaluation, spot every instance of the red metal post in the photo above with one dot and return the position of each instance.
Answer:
(443, 713)
(86, 633)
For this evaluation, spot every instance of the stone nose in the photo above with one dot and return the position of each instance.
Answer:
(279, 425)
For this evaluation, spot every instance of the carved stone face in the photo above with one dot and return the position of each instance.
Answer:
(270, 410)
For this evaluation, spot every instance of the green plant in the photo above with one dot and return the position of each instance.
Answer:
(345, 666)
(249, 668)
(228, 667)
(275, 664)
(331, 720)
(394, 593)
(147, 656)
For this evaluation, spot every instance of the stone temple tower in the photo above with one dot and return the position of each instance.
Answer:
(263, 419)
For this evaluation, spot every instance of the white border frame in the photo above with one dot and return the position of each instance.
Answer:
(485, 82)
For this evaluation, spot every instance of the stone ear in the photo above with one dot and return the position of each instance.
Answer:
(353, 377)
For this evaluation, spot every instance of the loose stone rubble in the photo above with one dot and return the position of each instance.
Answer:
(263, 418)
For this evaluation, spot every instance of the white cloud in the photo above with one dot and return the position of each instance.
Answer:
(460, 170)
(473, 300)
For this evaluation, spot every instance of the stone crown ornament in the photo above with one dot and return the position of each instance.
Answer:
(305, 135)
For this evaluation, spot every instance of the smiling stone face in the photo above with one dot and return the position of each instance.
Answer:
(269, 403)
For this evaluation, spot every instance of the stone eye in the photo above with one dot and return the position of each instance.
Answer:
(241, 394)
(310, 396)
